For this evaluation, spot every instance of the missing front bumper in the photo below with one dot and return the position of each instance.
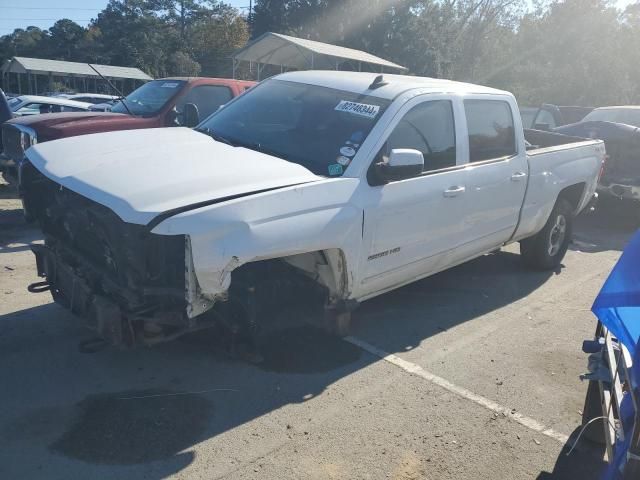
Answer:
(74, 293)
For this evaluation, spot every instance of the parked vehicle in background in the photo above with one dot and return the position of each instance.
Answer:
(35, 105)
(619, 127)
(93, 98)
(31, 105)
(528, 115)
(5, 110)
(102, 107)
(327, 187)
(629, 115)
(551, 116)
(5, 114)
(166, 102)
(57, 94)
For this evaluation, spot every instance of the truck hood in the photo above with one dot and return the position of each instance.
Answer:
(142, 174)
(51, 126)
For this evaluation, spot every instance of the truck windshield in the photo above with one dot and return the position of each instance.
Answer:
(149, 99)
(316, 127)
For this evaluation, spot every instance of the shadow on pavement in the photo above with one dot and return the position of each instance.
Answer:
(400, 320)
(586, 462)
(201, 391)
(142, 410)
(609, 227)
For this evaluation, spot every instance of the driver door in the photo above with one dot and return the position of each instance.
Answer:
(413, 227)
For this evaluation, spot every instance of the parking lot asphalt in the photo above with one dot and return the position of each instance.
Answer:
(474, 350)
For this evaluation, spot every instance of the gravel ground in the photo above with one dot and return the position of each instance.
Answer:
(319, 408)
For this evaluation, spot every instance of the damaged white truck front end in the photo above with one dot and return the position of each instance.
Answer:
(144, 248)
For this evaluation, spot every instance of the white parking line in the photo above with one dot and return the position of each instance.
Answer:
(460, 391)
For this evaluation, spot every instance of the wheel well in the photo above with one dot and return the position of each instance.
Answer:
(326, 268)
(573, 194)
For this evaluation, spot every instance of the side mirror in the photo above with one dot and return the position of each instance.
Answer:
(403, 163)
(190, 115)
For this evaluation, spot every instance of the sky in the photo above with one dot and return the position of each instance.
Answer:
(43, 13)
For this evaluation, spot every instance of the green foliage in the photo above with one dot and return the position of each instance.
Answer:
(161, 37)
(562, 51)
(181, 64)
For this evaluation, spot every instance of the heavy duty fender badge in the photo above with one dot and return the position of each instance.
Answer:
(383, 254)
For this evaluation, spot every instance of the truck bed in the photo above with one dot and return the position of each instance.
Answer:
(540, 140)
(555, 162)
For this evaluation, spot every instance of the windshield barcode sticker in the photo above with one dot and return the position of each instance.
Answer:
(169, 85)
(362, 109)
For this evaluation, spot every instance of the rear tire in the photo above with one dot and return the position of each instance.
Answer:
(546, 249)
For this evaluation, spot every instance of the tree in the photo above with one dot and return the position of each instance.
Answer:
(181, 64)
(22, 42)
(215, 38)
(65, 38)
(572, 52)
(133, 35)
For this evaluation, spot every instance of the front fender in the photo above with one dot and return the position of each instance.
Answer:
(306, 218)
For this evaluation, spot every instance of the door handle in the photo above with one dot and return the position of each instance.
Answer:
(516, 177)
(454, 191)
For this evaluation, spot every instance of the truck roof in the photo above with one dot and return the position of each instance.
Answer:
(359, 82)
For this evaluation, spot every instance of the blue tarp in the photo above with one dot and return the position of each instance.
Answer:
(617, 306)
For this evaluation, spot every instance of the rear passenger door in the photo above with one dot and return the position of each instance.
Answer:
(498, 172)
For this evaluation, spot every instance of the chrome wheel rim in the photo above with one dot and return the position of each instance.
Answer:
(557, 235)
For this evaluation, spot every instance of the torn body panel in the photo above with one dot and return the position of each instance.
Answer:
(293, 224)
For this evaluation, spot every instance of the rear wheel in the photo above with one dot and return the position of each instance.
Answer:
(546, 249)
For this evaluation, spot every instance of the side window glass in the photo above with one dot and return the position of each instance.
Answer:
(31, 109)
(428, 127)
(208, 98)
(491, 130)
(545, 118)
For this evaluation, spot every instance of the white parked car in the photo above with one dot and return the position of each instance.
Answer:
(332, 187)
(102, 107)
(35, 104)
(93, 98)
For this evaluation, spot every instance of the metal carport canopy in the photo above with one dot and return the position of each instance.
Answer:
(299, 53)
(41, 66)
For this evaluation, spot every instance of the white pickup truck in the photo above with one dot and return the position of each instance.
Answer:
(338, 185)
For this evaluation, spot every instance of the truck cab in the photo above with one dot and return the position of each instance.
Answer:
(167, 102)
